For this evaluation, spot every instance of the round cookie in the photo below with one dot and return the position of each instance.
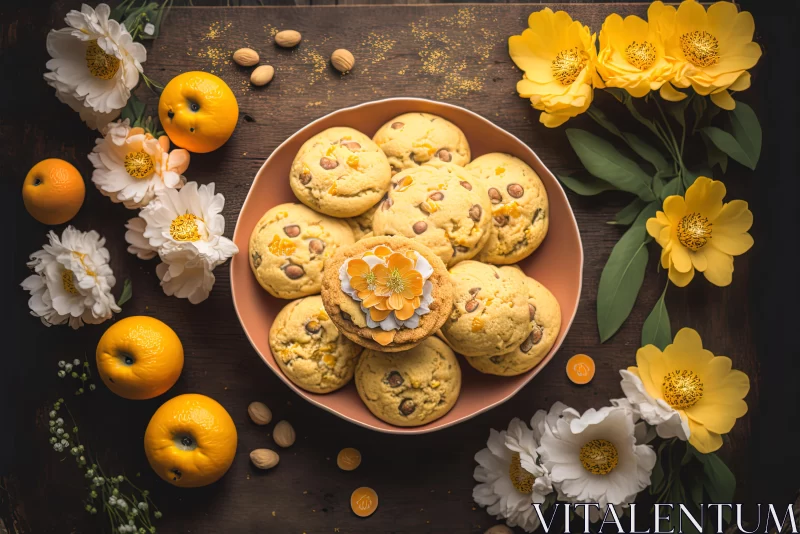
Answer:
(416, 138)
(442, 206)
(348, 314)
(490, 313)
(309, 349)
(289, 245)
(409, 388)
(519, 207)
(361, 225)
(340, 172)
(545, 317)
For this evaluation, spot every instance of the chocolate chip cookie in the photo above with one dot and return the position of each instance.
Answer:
(289, 245)
(416, 138)
(309, 348)
(361, 225)
(409, 388)
(520, 214)
(442, 206)
(490, 313)
(340, 172)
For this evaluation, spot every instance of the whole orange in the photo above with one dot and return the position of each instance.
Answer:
(53, 191)
(139, 357)
(198, 111)
(190, 441)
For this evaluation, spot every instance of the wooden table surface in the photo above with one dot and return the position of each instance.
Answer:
(454, 53)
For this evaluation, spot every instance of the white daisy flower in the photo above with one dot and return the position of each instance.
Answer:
(73, 280)
(511, 477)
(130, 166)
(594, 458)
(95, 62)
(656, 412)
(184, 227)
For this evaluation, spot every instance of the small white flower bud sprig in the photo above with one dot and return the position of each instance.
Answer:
(128, 508)
(77, 370)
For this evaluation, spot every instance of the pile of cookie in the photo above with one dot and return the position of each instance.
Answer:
(401, 254)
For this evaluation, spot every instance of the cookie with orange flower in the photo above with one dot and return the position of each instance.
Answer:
(387, 293)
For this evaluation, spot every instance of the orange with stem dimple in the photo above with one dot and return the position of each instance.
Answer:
(53, 191)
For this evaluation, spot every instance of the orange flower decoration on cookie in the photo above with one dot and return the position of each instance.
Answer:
(400, 284)
(364, 280)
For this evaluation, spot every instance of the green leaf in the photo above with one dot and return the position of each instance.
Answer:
(598, 115)
(133, 111)
(728, 144)
(656, 330)
(127, 292)
(746, 130)
(678, 110)
(646, 213)
(628, 214)
(604, 161)
(718, 480)
(621, 280)
(586, 187)
(657, 480)
(715, 155)
(647, 152)
(671, 188)
(699, 107)
(691, 175)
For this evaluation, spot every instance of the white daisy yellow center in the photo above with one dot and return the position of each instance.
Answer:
(641, 55)
(568, 64)
(184, 228)
(694, 231)
(599, 457)
(700, 48)
(101, 65)
(68, 281)
(682, 389)
(139, 164)
(520, 478)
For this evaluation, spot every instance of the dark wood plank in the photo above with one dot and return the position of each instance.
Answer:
(452, 53)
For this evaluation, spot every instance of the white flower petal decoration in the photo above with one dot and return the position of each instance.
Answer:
(656, 412)
(131, 166)
(593, 457)
(511, 477)
(184, 228)
(73, 280)
(95, 63)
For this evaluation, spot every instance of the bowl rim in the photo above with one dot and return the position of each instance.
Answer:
(425, 429)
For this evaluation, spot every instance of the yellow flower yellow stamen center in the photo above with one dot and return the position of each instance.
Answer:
(68, 279)
(520, 478)
(682, 389)
(101, 65)
(395, 281)
(700, 48)
(599, 457)
(568, 64)
(184, 228)
(641, 55)
(139, 164)
(694, 231)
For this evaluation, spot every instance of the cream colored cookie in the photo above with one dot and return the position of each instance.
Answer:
(309, 349)
(416, 138)
(442, 206)
(340, 172)
(289, 245)
(520, 214)
(490, 313)
(545, 317)
(361, 225)
(409, 388)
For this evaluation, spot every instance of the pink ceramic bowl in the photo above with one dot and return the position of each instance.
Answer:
(558, 263)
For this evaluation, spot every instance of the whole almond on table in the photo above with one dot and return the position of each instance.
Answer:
(262, 75)
(259, 413)
(264, 458)
(342, 60)
(283, 434)
(246, 57)
(288, 38)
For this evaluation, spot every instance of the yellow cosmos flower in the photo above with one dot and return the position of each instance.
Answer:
(699, 232)
(631, 53)
(712, 50)
(558, 57)
(701, 387)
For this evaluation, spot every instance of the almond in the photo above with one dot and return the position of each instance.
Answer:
(264, 458)
(246, 57)
(259, 413)
(288, 38)
(283, 434)
(342, 60)
(262, 75)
